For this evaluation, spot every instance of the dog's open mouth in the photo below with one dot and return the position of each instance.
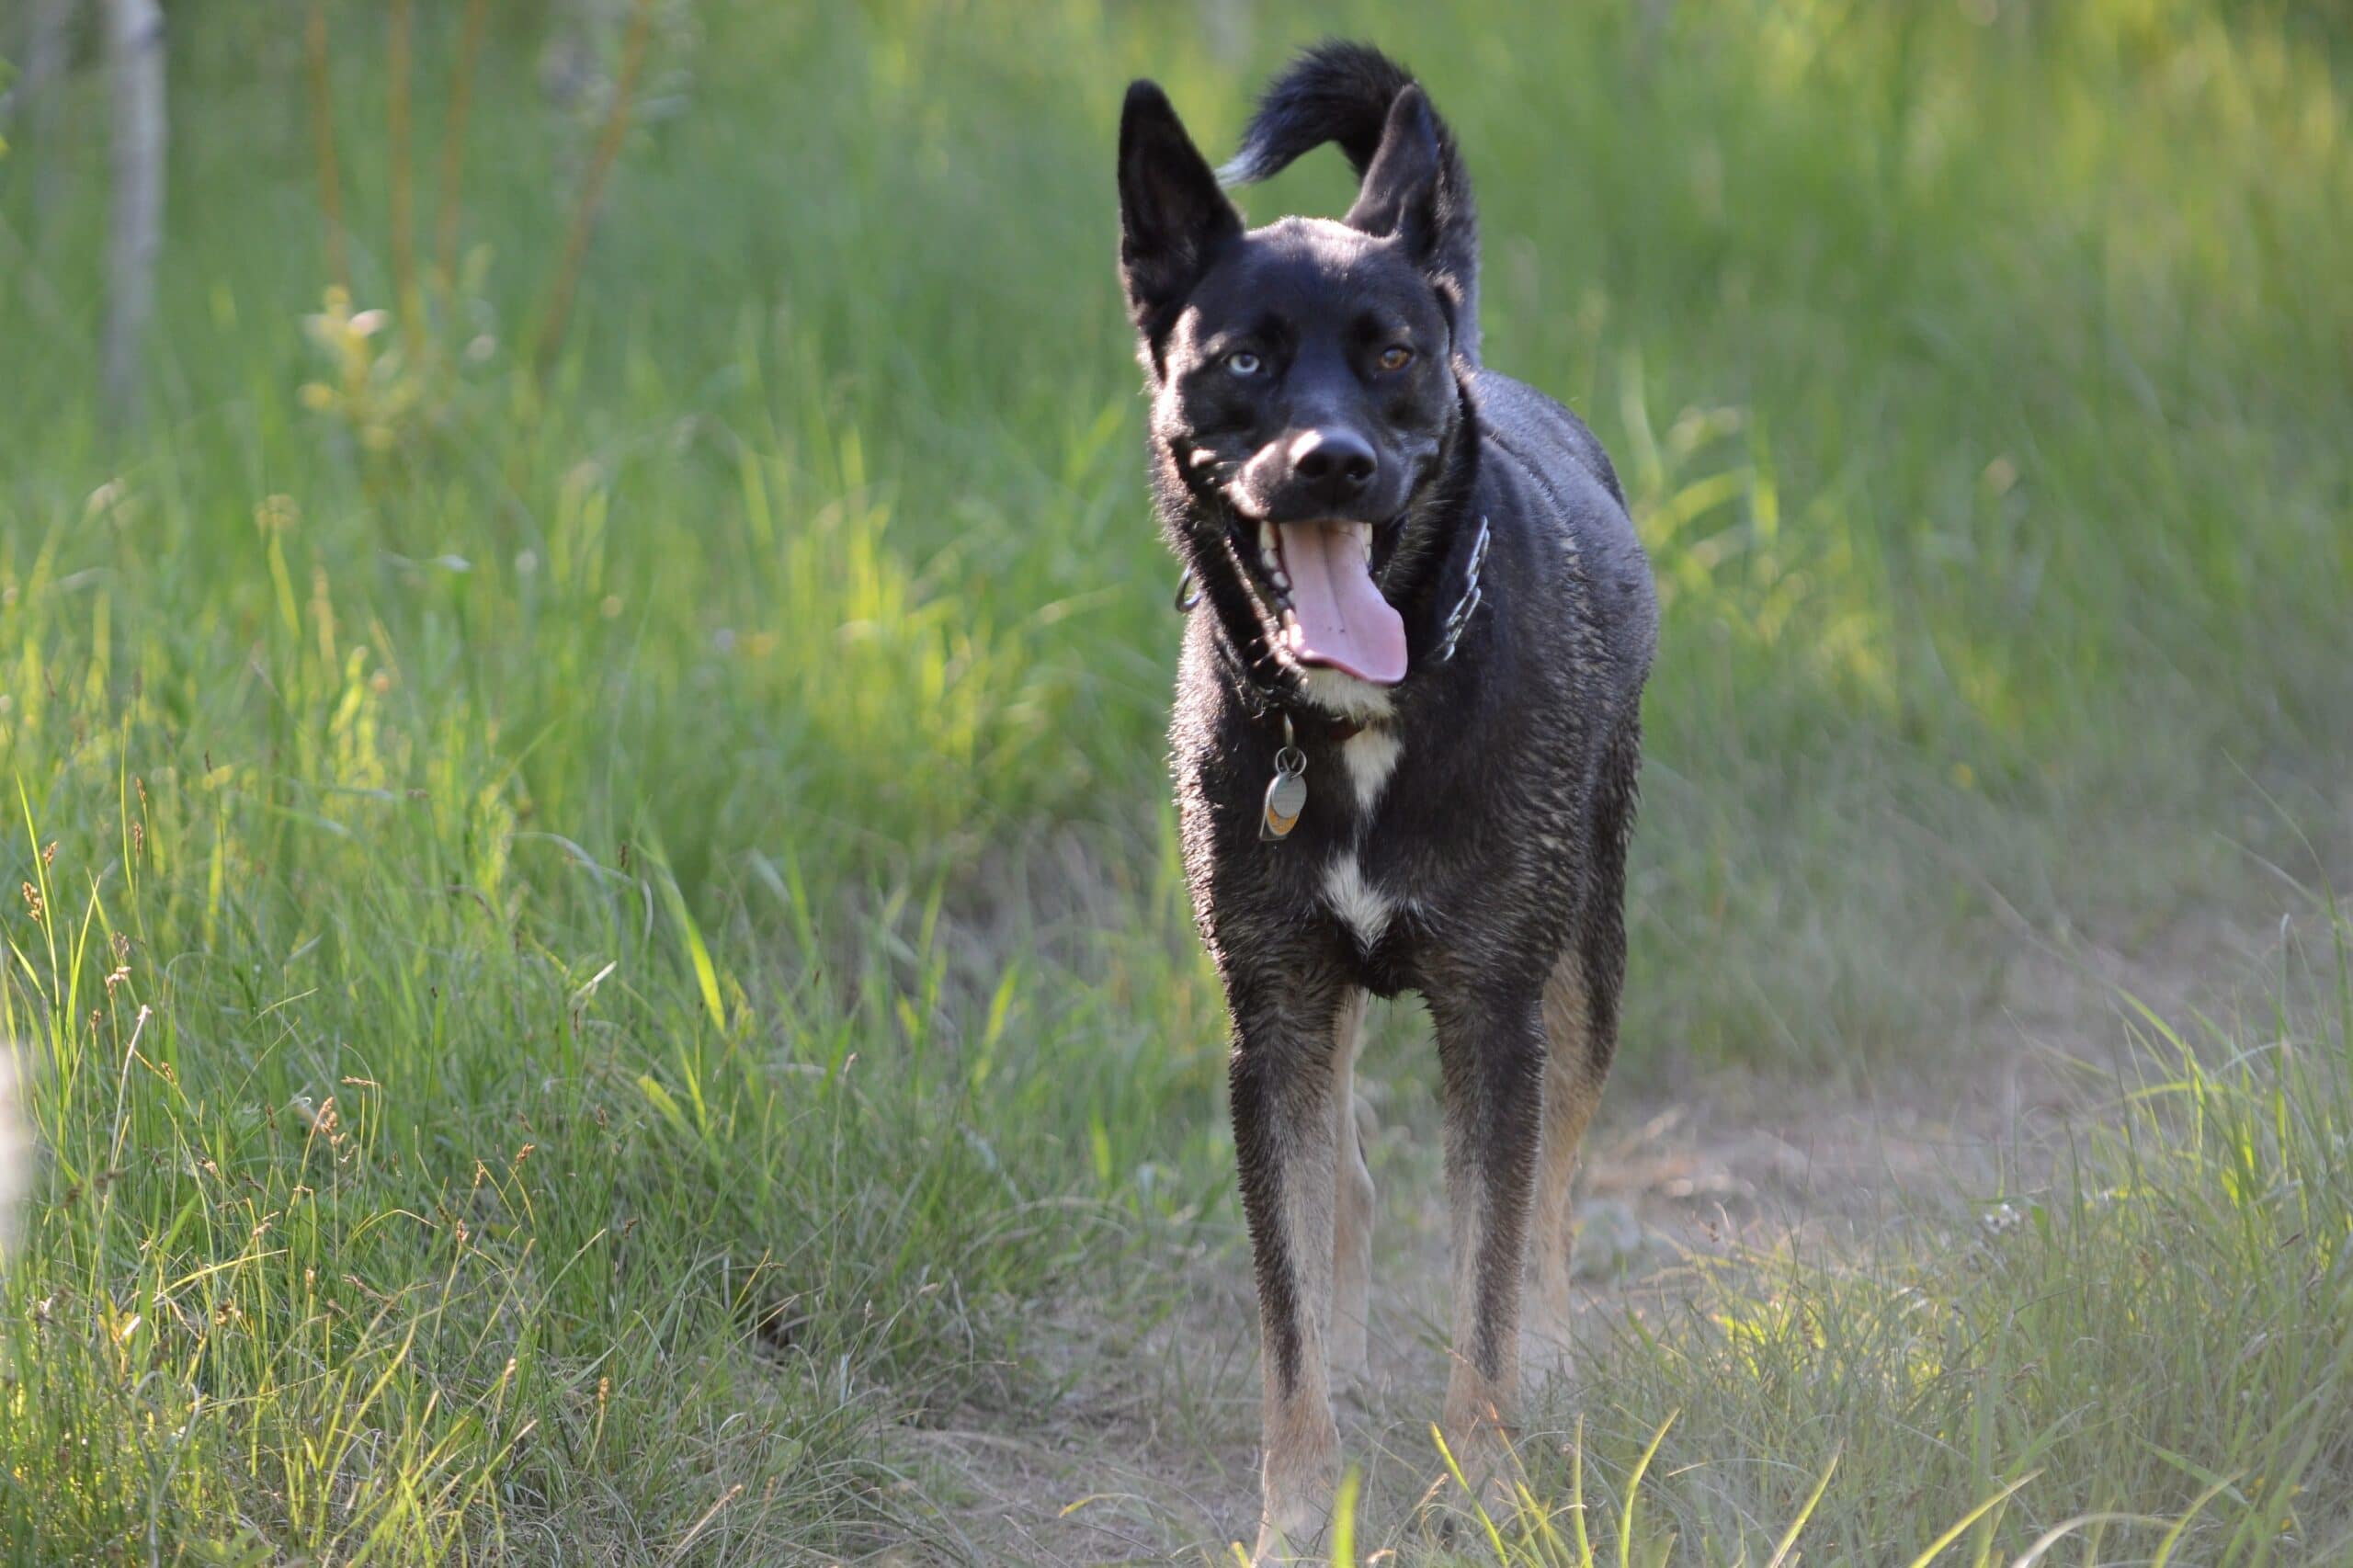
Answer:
(1335, 615)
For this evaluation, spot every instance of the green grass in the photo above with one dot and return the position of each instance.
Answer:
(2135, 1355)
(696, 816)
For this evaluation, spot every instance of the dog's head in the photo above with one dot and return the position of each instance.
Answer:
(1302, 378)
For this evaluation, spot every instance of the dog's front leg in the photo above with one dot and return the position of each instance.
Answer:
(1491, 1051)
(1353, 1203)
(1282, 1079)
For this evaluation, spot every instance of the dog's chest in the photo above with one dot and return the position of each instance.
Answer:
(1367, 759)
(1357, 901)
(1351, 884)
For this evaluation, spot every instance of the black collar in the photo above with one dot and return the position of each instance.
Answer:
(1273, 700)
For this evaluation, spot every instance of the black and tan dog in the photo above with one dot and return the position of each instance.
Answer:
(1407, 725)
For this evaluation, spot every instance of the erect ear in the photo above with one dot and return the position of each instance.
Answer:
(1173, 217)
(1400, 193)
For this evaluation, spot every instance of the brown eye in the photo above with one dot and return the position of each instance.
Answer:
(1396, 357)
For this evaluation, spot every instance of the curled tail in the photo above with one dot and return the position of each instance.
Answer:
(1343, 93)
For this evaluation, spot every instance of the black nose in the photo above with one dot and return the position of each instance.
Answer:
(1334, 463)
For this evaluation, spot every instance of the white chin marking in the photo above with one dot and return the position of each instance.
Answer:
(1370, 757)
(1336, 691)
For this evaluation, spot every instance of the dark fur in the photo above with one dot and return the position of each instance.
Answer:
(1499, 838)
(1341, 93)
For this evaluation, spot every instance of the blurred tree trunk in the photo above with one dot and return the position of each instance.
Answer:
(135, 57)
(579, 39)
(48, 48)
(1228, 24)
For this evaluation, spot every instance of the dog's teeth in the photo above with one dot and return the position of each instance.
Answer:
(1267, 541)
(1281, 579)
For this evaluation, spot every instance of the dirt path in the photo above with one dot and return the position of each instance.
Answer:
(1149, 1455)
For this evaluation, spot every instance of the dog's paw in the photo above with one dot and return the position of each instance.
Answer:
(1299, 1540)
(1447, 1523)
(1299, 1481)
(1481, 1449)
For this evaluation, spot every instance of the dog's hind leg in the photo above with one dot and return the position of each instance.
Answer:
(1353, 1195)
(1573, 1083)
(1287, 1038)
(1580, 1024)
(1491, 1051)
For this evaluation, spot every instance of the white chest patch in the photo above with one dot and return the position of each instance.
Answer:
(1370, 756)
(1361, 907)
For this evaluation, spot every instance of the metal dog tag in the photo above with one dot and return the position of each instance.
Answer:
(1286, 795)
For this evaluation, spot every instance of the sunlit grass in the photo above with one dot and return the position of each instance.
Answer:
(2136, 1354)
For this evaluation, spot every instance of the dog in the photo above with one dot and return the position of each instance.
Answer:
(1406, 731)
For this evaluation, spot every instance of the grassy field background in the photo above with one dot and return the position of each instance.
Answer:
(600, 937)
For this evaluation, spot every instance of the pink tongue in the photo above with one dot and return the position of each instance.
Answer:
(1343, 619)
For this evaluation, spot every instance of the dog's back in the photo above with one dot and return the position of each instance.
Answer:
(1560, 472)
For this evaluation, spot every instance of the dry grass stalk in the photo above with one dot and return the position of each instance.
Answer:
(398, 56)
(608, 146)
(453, 140)
(315, 53)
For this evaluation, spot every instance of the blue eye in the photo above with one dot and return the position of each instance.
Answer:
(1242, 362)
